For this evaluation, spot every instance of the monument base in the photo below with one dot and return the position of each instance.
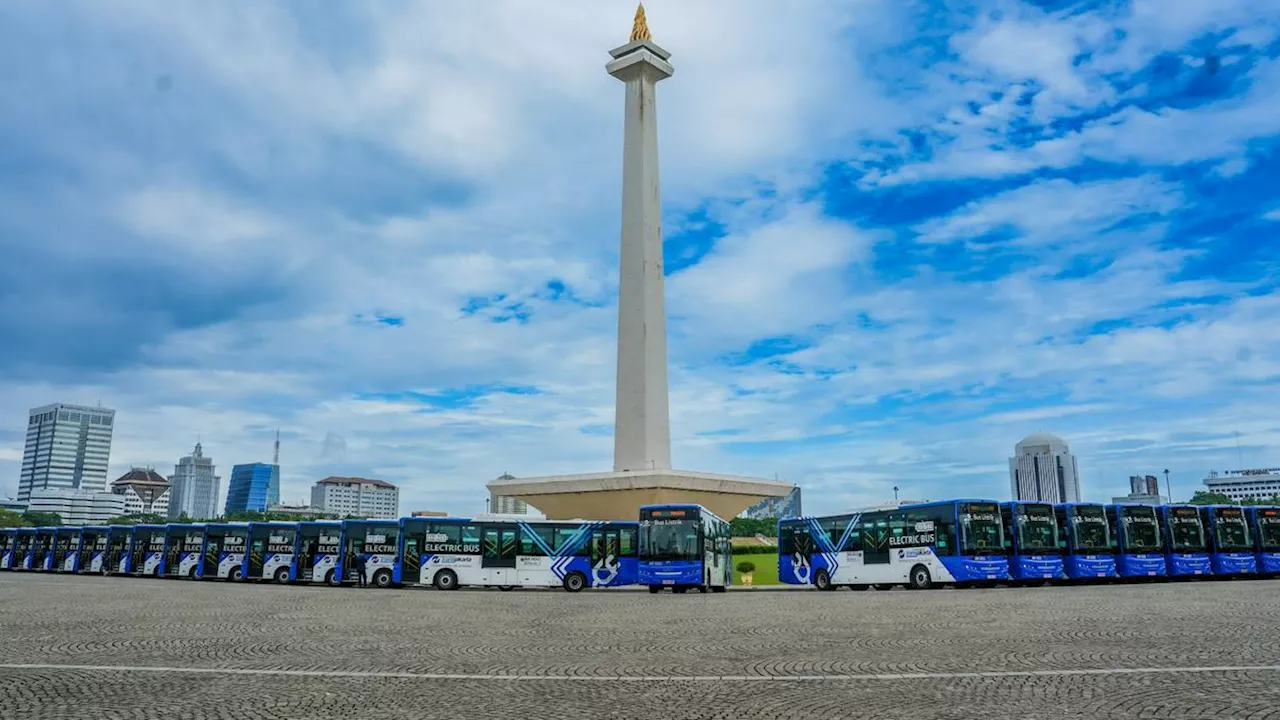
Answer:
(619, 495)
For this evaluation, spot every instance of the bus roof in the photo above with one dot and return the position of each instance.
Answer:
(371, 521)
(273, 523)
(320, 523)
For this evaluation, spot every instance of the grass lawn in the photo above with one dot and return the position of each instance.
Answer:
(766, 569)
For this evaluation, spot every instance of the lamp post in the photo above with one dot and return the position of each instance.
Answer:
(895, 494)
(1167, 487)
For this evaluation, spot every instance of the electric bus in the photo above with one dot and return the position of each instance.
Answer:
(1230, 542)
(1034, 542)
(42, 551)
(224, 549)
(683, 547)
(918, 545)
(1091, 545)
(316, 557)
(7, 536)
(119, 545)
(146, 550)
(93, 548)
(1139, 542)
(506, 552)
(183, 548)
(271, 548)
(378, 542)
(66, 550)
(1265, 523)
(24, 543)
(1186, 546)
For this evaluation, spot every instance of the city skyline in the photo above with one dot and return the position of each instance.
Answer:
(892, 248)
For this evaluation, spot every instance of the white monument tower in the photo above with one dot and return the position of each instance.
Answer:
(642, 471)
(642, 425)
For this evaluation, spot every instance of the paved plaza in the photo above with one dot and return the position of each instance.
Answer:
(90, 647)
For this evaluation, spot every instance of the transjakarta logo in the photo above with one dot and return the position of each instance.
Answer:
(378, 544)
(435, 538)
(924, 526)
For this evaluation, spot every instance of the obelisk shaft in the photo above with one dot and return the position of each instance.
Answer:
(642, 431)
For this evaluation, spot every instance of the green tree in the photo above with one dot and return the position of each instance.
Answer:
(42, 519)
(745, 567)
(9, 518)
(749, 527)
(1204, 497)
(138, 519)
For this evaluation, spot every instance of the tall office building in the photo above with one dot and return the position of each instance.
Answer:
(1043, 469)
(255, 486)
(1144, 485)
(359, 497)
(67, 448)
(195, 487)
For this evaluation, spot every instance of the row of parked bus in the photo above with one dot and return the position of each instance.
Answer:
(976, 542)
(680, 547)
(683, 547)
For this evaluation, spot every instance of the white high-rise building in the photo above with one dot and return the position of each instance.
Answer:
(194, 487)
(67, 448)
(1043, 469)
(361, 497)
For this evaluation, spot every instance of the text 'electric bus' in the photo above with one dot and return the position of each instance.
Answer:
(66, 550)
(271, 549)
(224, 549)
(920, 545)
(683, 547)
(183, 547)
(318, 547)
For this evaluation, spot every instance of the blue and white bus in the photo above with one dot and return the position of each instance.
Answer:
(684, 547)
(1139, 542)
(1265, 523)
(93, 548)
(119, 547)
(42, 551)
(315, 559)
(918, 545)
(224, 550)
(1231, 547)
(1035, 544)
(271, 548)
(24, 543)
(8, 537)
(378, 542)
(506, 552)
(1186, 545)
(183, 548)
(1091, 544)
(66, 550)
(146, 550)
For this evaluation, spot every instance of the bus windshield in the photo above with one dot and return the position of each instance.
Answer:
(1037, 528)
(1269, 529)
(1090, 529)
(1140, 530)
(1230, 531)
(1185, 530)
(982, 528)
(669, 539)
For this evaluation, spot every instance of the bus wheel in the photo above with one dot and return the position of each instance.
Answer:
(282, 575)
(575, 582)
(655, 589)
(446, 580)
(331, 578)
(236, 574)
(920, 578)
(506, 588)
(191, 574)
(382, 578)
(822, 580)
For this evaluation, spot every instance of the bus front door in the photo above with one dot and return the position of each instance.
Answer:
(499, 559)
(605, 552)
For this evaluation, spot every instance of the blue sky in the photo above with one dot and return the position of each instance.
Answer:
(900, 236)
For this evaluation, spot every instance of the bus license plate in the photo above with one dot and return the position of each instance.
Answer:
(1102, 574)
(1197, 572)
(1151, 572)
(668, 582)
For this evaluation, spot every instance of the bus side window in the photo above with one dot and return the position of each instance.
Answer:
(527, 544)
(470, 535)
(627, 540)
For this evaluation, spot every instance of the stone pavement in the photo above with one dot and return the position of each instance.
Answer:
(90, 647)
